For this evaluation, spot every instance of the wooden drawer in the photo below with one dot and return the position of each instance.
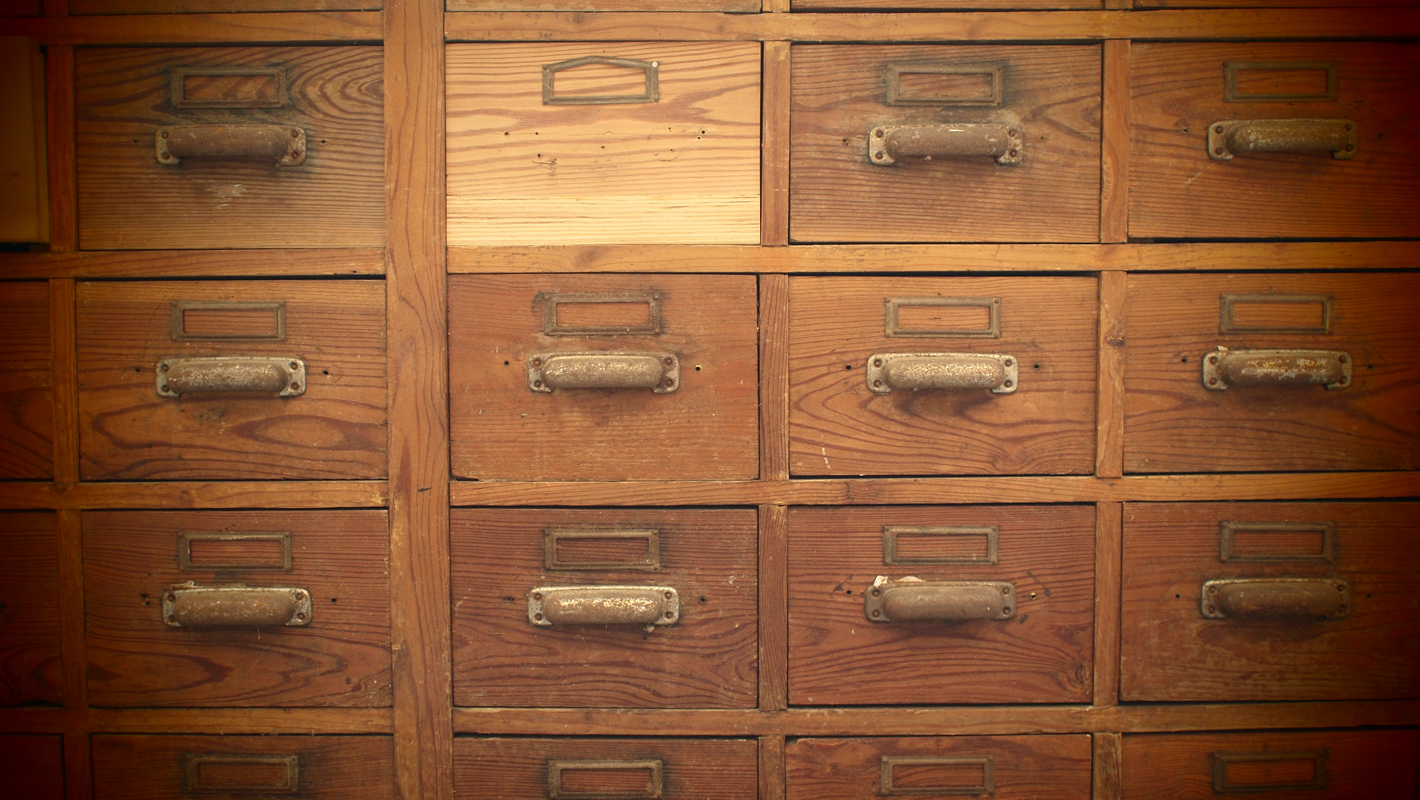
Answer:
(644, 608)
(33, 766)
(566, 769)
(848, 417)
(862, 633)
(215, 6)
(265, 147)
(223, 420)
(701, 422)
(1024, 122)
(318, 767)
(654, 142)
(1269, 418)
(1193, 105)
(26, 401)
(29, 609)
(1270, 601)
(1002, 767)
(1327, 765)
(232, 637)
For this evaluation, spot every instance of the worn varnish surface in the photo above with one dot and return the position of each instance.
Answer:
(682, 169)
(29, 609)
(1177, 190)
(1171, 652)
(33, 766)
(341, 658)
(706, 660)
(26, 402)
(734, 6)
(129, 201)
(1051, 94)
(210, 6)
(1042, 654)
(838, 426)
(501, 429)
(328, 767)
(336, 429)
(1173, 423)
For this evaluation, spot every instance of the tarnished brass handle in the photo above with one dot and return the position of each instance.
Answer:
(286, 377)
(888, 371)
(913, 599)
(603, 605)
(1223, 368)
(659, 372)
(188, 605)
(283, 145)
(1267, 598)
(888, 143)
(1240, 137)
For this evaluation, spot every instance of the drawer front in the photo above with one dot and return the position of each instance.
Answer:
(222, 418)
(242, 608)
(1001, 767)
(1271, 407)
(1216, 149)
(588, 413)
(1270, 601)
(1013, 131)
(603, 143)
(943, 342)
(163, 767)
(637, 608)
(215, 6)
(1327, 765)
(863, 632)
(264, 147)
(29, 609)
(605, 769)
(26, 400)
(33, 766)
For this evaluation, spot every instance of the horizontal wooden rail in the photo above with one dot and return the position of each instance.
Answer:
(197, 720)
(196, 494)
(193, 263)
(346, 27)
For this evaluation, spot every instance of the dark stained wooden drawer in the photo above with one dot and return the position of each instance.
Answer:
(174, 767)
(237, 608)
(1270, 601)
(551, 377)
(215, 6)
(230, 147)
(1252, 140)
(1327, 765)
(33, 766)
(1013, 133)
(1002, 767)
(928, 408)
(941, 604)
(1191, 406)
(565, 769)
(29, 609)
(26, 401)
(187, 380)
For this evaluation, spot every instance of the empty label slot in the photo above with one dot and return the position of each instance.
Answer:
(626, 780)
(607, 314)
(943, 86)
(939, 545)
(921, 775)
(1253, 541)
(596, 550)
(220, 551)
(604, 780)
(595, 80)
(252, 321)
(227, 773)
(629, 316)
(1277, 82)
(1255, 772)
(1261, 313)
(228, 88)
(971, 317)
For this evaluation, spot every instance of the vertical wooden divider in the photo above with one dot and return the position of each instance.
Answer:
(1109, 413)
(1114, 150)
(1107, 753)
(774, 377)
(1109, 522)
(416, 305)
(59, 148)
(771, 768)
(64, 380)
(774, 143)
(78, 782)
(773, 608)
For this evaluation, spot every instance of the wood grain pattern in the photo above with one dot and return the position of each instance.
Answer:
(773, 608)
(184, 494)
(774, 158)
(838, 425)
(59, 148)
(773, 377)
(1114, 147)
(1109, 521)
(771, 768)
(706, 660)
(501, 429)
(1109, 417)
(30, 669)
(215, 6)
(335, 429)
(341, 658)
(1041, 654)
(300, 27)
(78, 779)
(26, 383)
(64, 378)
(684, 168)
(1051, 94)
(732, 6)
(1173, 423)
(127, 200)
(194, 263)
(1023, 767)
(1172, 652)
(33, 766)
(936, 5)
(263, 721)
(75, 662)
(1176, 190)
(1106, 766)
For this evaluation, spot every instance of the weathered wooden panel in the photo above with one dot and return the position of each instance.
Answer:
(215, 6)
(518, 768)
(33, 766)
(29, 609)
(26, 400)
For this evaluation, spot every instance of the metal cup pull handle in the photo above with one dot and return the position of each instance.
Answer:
(284, 377)
(549, 606)
(888, 143)
(1240, 137)
(915, 600)
(1223, 368)
(951, 371)
(1271, 598)
(659, 372)
(282, 145)
(190, 606)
